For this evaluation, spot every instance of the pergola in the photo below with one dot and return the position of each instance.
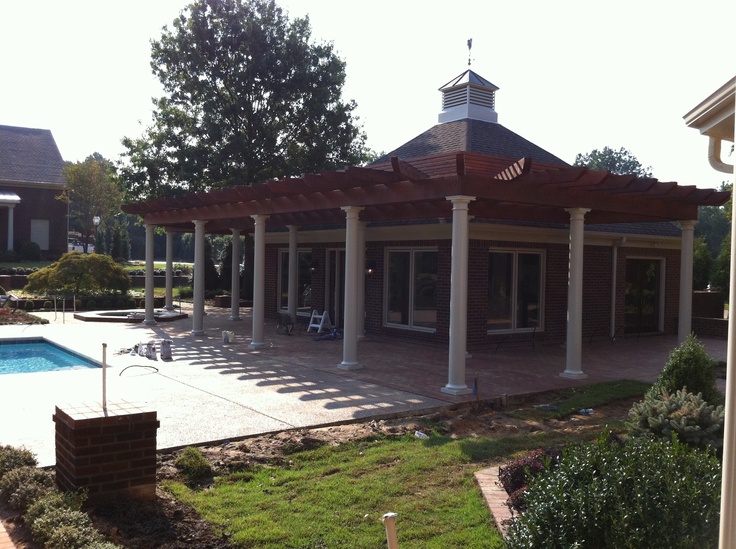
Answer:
(447, 186)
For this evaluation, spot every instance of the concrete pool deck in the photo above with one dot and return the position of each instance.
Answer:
(213, 391)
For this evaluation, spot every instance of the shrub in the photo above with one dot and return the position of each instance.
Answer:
(107, 304)
(29, 305)
(22, 486)
(193, 464)
(30, 251)
(48, 305)
(694, 421)
(643, 494)
(12, 458)
(51, 501)
(516, 475)
(65, 528)
(689, 366)
(185, 292)
(91, 304)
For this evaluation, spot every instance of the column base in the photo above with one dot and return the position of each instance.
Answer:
(149, 322)
(197, 332)
(349, 365)
(254, 346)
(573, 374)
(456, 390)
(235, 318)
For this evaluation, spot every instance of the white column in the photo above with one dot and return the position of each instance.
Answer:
(458, 297)
(685, 321)
(573, 359)
(235, 277)
(169, 301)
(198, 306)
(259, 280)
(360, 312)
(728, 472)
(11, 208)
(350, 328)
(293, 290)
(149, 319)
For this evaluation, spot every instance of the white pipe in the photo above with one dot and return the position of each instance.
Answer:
(104, 377)
(614, 268)
(714, 156)
(389, 519)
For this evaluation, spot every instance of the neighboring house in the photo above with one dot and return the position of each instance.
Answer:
(31, 179)
(466, 236)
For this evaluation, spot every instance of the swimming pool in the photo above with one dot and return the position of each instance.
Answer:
(23, 356)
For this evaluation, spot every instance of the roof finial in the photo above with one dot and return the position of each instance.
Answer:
(470, 45)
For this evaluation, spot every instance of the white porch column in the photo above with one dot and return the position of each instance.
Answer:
(458, 297)
(235, 277)
(293, 297)
(685, 321)
(198, 310)
(169, 301)
(259, 280)
(11, 209)
(360, 311)
(350, 327)
(149, 319)
(573, 359)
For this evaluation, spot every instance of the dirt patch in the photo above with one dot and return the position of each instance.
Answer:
(168, 524)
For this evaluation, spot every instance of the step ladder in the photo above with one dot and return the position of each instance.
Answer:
(320, 322)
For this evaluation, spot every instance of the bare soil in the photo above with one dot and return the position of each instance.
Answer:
(168, 524)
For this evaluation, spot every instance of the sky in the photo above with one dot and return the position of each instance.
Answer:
(573, 75)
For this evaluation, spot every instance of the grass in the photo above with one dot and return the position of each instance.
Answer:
(335, 496)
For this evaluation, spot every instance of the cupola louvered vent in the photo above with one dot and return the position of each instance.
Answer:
(468, 96)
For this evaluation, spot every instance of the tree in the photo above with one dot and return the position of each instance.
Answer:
(620, 162)
(92, 190)
(77, 273)
(702, 264)
(250, 98)
(713, 226)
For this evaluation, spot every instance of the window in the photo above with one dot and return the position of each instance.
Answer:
(514, 290)
(304, 281)
(40, 233)
(411, 282)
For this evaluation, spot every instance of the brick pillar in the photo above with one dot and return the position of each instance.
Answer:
(109, 454)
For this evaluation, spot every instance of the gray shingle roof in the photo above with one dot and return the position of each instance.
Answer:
(29, 155)
(469, 135)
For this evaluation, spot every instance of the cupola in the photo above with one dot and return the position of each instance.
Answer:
(468, 96)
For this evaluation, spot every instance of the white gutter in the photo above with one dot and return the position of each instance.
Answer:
(714, 156)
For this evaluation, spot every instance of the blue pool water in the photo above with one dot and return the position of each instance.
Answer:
(26, 356)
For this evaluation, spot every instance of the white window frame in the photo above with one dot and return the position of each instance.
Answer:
(411, 250)
(514, 278)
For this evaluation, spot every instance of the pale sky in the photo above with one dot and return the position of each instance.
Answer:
(574, 75)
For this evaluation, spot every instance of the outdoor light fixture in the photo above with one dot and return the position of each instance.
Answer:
(96, 221)
(314, 265)
(370, 267)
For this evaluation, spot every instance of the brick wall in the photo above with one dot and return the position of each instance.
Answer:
(109, 454)
(715, 328)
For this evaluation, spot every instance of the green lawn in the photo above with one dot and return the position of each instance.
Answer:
(335, 496)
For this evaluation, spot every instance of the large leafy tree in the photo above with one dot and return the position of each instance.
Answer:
(620, 162)
(76, 273)
(249, 97)
(91, 191)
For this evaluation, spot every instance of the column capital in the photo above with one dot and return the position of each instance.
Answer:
(688, 224)
(236, 232)
(460, 201)
(352, 211)
(199, 223)
(259, 218)
(577, 213)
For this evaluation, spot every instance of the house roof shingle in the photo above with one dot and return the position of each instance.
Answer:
(29, 155)
(475, 136)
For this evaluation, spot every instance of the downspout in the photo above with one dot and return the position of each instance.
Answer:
(714, 156)
(614, 269)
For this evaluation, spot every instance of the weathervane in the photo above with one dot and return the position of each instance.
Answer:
(470, 46)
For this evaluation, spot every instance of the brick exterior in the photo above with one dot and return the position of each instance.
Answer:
(597, 266)
(108, 454)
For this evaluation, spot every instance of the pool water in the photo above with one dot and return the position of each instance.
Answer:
(27, 356)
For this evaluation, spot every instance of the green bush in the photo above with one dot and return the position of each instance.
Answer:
(646, 493)
(29, 305)
(48, 305)
(689, 365)
(51, 501)
(30, 251)
(107, 304)
(12, 458)
(64, 528)
(91, 305)
(185, 292)
(22, 486)
(694, 421)
(192, 463)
